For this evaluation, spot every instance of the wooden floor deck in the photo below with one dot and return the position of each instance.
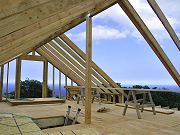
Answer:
(31, 101)
(108, 123)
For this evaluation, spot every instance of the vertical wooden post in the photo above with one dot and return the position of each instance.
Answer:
(53, 82)
(1, 81)
(18, 78)
(88, 69)
(66, 85)
(45, 79)
(33, 52)
(7, 81)
(71, 82)
(59, 84)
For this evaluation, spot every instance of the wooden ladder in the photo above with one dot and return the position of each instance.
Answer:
(139, 103)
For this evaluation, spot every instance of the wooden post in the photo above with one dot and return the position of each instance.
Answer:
(71, 82)
(88, 69)
(59, 84)
(45, 79)
(18, 78)
(33, 52)
(1, 82)
(66, 85)
(53, 82)
(7, 81)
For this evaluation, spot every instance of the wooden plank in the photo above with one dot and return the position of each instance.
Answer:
(79, 67)
(1, 81)
(45, 79)
(52, 31)
(88, 5)
(76, 57)
(66, 67)
(33, 15)
(33, 101)
(95, 67)
(11, 7)
(83, 56)
(86, 131)
(33, 52)
(67, 133)
(32, 58)
(59, 65)
(53, 77)
(18, 78)
(88, 69)
(60, 57)
(66, 85)
(164, 21)
(7, 81)
(71, 83)
(143, 29)
(59, 89)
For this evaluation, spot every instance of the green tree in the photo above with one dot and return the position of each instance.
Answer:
(31, 89)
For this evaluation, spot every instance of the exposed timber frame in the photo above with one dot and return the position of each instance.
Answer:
(165, 22)
(1, 82)
(45, 79)
(36, 33)
(145, 32)
(18, 78)
(7, 81)
(88, 69)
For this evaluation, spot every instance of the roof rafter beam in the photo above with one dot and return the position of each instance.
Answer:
(83, 56)
(60, 65)
(164, 21)
(22, 41)
(74, 63)
(145, 32)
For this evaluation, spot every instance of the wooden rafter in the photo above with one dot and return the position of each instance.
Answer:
(73, 65)
(1, 81)
(60, 65)
(165, 22)
(44, 30)
(94, 66)
(32, 57)
(145, 32)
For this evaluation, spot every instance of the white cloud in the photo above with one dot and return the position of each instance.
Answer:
(101, 32)
(117, 15)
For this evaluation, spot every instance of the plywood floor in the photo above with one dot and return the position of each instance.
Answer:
(109, 123)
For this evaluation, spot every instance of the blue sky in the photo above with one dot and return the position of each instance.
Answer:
(120, 50)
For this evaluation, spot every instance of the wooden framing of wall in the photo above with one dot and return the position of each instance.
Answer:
(88, 69)
(45, 79)
(41, 27)
(35, 26)
(7, 81)
(18, 78)
(1, 81)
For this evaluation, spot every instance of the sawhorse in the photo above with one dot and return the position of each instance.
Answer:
(139, 103)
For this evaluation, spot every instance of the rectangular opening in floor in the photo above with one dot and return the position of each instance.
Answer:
(51, 122)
